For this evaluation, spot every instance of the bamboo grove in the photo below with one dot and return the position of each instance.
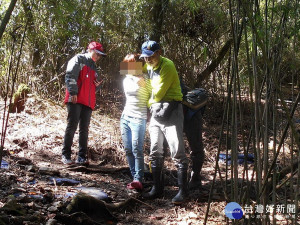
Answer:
(244, 52)
(264, 38)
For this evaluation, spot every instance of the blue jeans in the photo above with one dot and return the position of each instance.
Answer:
(133, 134)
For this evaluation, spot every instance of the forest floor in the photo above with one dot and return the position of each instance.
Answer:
(36, 188)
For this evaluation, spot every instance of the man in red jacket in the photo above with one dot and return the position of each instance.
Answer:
(81, 82)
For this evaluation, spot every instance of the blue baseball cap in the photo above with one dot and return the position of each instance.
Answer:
(149, 48)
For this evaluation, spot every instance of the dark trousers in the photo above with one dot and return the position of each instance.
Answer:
(193, 132)
(77, 113)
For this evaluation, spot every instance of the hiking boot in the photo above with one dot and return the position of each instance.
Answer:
(81, 160)
(66, 161)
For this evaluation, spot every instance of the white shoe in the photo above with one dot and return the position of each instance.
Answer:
(66, 161)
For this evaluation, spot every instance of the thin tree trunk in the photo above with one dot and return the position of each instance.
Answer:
(214, 64)
(158, 12)
(297, 181)
(6, 18)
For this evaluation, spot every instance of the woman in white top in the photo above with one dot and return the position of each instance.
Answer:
(134, 117)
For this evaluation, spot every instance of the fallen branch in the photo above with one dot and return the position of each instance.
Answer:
(139, 201)
(281, 175)
(214, 64)
(97, 170)
(286, 180)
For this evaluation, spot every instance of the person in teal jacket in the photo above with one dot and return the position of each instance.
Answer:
(166, 121)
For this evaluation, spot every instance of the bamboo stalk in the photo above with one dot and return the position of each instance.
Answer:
(296, 201)
(216, 169)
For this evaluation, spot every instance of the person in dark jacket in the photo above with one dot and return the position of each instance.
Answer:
(193, 123)
(193, 130)
(81, 83)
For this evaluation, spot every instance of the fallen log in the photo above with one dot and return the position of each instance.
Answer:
(96, 169)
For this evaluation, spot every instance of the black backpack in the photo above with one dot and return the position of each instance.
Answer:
(195, 99)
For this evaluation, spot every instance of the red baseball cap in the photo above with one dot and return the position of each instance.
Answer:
(97, 47)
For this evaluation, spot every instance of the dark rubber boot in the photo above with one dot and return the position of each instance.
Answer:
(183, 186)
(195, 180)
(157, 189)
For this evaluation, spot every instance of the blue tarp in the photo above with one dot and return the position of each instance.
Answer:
(63, 181)
(240, 160)
(4, 165)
